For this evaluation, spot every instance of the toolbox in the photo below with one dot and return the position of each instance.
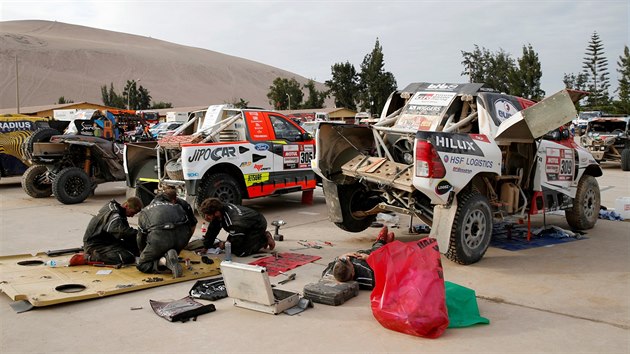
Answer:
(331, 292)
(249, 287)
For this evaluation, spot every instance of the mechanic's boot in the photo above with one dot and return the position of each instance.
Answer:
(172, 263)
(78, 259)
(390, 237)
(382, 235)
(271, 243)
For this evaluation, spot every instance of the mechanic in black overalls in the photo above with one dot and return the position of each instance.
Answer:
(109, 238)
(246, 228)
(164, 230)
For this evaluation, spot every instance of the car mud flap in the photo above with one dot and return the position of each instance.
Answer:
(443, 223)
(332, 201)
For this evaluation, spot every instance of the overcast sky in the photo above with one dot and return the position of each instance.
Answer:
(422, 40)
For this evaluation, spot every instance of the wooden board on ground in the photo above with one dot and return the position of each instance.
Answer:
(27, 277)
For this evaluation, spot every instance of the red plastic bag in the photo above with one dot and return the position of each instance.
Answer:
(409, 294)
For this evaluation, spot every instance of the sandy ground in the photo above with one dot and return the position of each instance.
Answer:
(567, 298)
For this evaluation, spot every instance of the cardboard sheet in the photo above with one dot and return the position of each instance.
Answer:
(26, 277)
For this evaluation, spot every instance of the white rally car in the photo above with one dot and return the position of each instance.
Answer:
(457, 156)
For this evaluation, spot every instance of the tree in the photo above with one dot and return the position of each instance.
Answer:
(63, 100)
(595, 66)
(575, 82)
(144, 98)
(285, 94)
(623, 105)
(111, 98)
(524, 80)
(493, 69)
(476, 64)
(161, 105)
(240, 103)
(315, 98)
(344, 85)
(375, 84)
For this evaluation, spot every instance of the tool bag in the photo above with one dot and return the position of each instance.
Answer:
(409, 295)
(331, 292)
(180, 310)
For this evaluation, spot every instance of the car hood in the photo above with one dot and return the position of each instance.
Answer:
(537, 120)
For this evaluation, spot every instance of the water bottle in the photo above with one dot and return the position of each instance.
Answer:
(228, 250)
(54, 263)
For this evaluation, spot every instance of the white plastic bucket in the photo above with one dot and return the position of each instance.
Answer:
(622, 206)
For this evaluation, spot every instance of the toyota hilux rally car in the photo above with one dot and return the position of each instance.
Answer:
(458, 156)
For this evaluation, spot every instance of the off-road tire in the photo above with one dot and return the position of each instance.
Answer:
(472, 230)
(38, 136)
(174, 169)
(625, 159)
(353, 197)
(222, 186)
(36, 183)
(585, 211)
(72, 185)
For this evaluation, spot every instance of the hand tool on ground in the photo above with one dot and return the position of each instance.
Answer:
(277, 224)
(288, 279)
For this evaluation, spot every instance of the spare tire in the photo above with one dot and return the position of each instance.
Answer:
(39, 136)
(174, 169)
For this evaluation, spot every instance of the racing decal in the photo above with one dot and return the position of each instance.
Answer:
(432, 98)
(504, 109)
(467, 162)
(442, 86)
(6, 127)
(559, 164)
(297, 156)
(443, 187)
(258, 126)
(452, 143)
(213, 153)
(256, 157)
(261, 147)
(242, 149)
(480, 137)
(408, 121)
(253, 178)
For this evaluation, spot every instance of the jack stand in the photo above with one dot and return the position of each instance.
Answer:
(277, 224)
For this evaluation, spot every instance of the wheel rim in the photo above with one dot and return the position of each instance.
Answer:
(74, 186)
(225, 193)
(474, 229)
(589, 203)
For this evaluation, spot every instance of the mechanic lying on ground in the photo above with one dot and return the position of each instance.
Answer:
(165, 228)
(109, 238)
(246, 228)
(354, 266)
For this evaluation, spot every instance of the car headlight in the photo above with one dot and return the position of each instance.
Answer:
(602, 148)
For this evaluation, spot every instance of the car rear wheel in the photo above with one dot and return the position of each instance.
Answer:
(72, 185)
(354, 198)
(585, 211)
(472, 232)
(36, 182)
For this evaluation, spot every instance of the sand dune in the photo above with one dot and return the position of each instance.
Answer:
(57, 59)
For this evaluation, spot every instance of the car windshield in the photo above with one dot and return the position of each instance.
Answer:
(606, 127)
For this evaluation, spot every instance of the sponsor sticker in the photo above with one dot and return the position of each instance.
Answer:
(254, 178)
(443, 187)
(504, 109)
(261, 147)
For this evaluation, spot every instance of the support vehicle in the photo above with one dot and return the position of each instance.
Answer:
(608, 139)
(71, 166)
(229, 153)
(458, 157)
